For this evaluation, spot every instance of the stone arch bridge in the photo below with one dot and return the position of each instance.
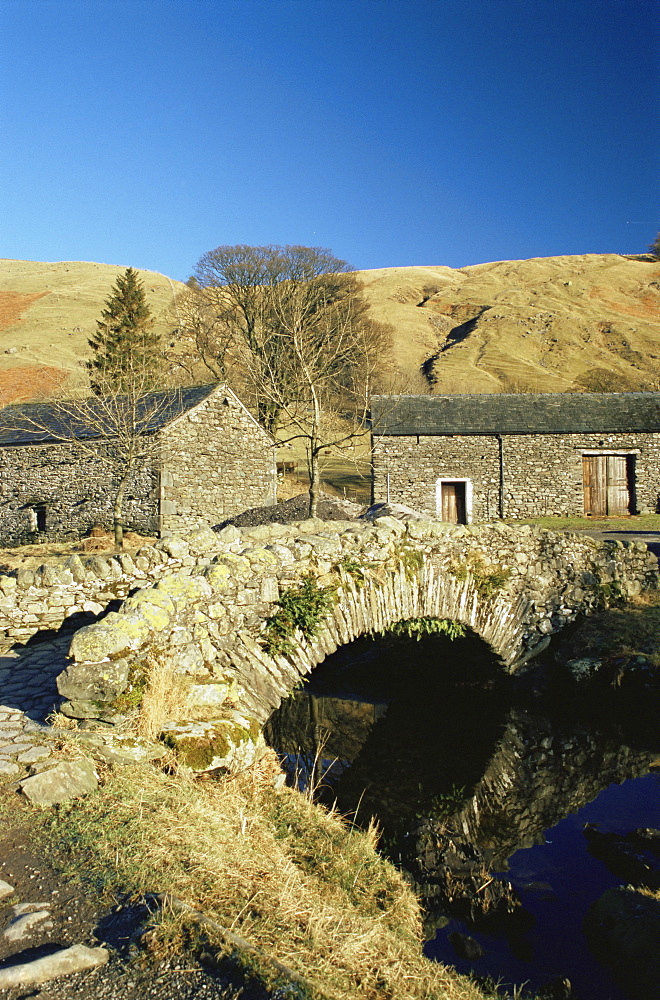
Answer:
(208, 619)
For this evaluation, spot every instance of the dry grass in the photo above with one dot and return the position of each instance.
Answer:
(164, 698)
(61, 722)
(552, 324)
(282, 873)
(99, 543)
(52, 309)
(622, 631)
(638, 522)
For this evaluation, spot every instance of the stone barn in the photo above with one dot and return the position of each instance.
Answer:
(203, 459)
(471, 458)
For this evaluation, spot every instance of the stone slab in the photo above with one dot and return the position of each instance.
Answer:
(69, 780)
(77, 958)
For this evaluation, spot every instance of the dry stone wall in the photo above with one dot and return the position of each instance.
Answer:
(72, 490)
(514, 587)
(64, 591)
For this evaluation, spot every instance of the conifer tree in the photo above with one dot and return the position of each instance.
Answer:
(125, 345)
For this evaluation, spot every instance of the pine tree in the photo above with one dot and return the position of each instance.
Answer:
(125, 346)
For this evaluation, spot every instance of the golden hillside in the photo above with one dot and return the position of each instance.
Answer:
(552, 324)
(48, 312)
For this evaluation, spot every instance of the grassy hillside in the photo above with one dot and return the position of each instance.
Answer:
(554, 324)
(48, 312)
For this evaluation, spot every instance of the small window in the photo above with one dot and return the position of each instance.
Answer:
(40, 517)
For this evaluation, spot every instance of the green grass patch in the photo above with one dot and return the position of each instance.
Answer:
(637, 522)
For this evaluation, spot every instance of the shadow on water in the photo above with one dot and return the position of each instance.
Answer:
(481, 796)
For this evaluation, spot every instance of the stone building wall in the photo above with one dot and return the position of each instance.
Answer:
(208, 464)
(57, 492)
(217, 462)
(541, 473)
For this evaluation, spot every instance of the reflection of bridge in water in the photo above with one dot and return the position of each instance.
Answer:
(460, 760)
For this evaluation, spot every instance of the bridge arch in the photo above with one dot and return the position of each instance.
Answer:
(513, 587)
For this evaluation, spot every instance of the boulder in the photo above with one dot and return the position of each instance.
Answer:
(115, 634)
(93, 681)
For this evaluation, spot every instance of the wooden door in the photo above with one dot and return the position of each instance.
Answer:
(453, 503)
(618, 496)
(606, 490)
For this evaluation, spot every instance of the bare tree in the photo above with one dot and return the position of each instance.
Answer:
(234, 306)
(331, 360)
(288, 328)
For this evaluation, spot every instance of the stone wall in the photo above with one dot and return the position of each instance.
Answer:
(217, 462)
(74, 589)
(514, 587)
(73, 488)
(541, 474)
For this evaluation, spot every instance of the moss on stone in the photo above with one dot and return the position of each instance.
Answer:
(199, 752)
(132, 695)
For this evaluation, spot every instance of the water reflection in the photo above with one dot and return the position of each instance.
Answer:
(429, 739)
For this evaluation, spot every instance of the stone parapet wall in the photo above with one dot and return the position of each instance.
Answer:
(68, 590)
(541, 474)
(514, 587)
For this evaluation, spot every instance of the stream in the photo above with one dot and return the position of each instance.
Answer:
(482, 793)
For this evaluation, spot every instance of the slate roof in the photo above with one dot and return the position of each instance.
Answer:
(39, 423)
(517, 413)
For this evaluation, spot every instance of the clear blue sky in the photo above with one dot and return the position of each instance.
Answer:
(394, 132)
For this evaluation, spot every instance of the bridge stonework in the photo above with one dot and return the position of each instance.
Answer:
(513, 586)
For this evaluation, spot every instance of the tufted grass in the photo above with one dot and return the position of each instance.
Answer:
(287, 876)
(632, 628)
